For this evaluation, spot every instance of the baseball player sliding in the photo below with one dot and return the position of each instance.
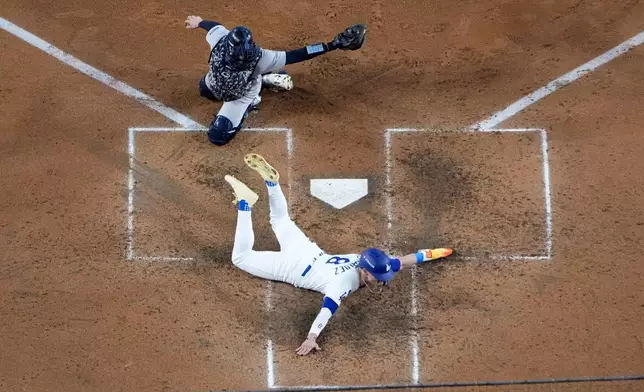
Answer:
(239, 68)
(301, 262)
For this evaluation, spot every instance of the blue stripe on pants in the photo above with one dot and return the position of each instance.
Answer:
(306, 270)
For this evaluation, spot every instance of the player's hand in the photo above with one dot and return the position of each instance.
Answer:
(193, 22)
(308, 346)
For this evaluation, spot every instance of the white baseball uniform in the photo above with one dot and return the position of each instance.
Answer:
(270, 61)
(300, 261)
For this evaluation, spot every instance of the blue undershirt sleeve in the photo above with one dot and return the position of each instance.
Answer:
(208, 24)
(306, 53)
(330, 304)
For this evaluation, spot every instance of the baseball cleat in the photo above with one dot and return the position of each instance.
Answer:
(259, 164)
(256, 101)
(438, 253)
(277, 81)
(242, 192)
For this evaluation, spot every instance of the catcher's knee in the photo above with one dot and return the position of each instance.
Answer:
(221, 130)
(204, 91)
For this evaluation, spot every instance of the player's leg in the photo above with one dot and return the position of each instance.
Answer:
(271, 67)
(266, 265)
(287, 233)
(230, 118)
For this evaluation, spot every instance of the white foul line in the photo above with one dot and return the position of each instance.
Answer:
(97, 74)
(562, 81)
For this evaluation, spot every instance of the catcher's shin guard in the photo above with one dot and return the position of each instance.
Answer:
(221, 130)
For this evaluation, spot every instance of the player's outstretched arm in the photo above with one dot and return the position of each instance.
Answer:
(193, 21)
(424, 255)
(352, 38)
(329, 307)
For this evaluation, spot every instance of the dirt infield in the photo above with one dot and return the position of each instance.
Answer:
(76, 315)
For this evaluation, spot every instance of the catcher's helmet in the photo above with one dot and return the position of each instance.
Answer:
(240, 47)
(377, 263)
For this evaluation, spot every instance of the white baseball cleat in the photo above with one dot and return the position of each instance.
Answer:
(242, 192)
(277, 81)
(256, 101)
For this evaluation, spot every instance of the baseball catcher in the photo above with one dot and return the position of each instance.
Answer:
(239, 68)
(301, 262)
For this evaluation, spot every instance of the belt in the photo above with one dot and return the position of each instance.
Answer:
(308, 267)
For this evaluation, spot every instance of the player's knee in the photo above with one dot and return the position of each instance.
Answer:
(221, 130)
(238, 258)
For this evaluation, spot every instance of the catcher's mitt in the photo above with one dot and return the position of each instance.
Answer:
(352, 38)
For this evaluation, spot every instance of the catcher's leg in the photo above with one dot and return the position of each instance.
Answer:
(230, 118)
(277, 81)
(204, 91)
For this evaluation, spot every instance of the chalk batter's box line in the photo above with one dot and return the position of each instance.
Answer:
(288, 133)
(413, 337)
(130, 199)
(546, 187)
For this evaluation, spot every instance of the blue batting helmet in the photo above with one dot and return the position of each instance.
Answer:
(240, 47)
(377, 263)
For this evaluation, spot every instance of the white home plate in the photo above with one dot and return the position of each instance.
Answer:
(339, 192)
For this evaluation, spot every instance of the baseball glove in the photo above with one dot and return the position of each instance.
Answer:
(352, 38)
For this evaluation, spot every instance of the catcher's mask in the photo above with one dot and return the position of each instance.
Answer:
(240, 48)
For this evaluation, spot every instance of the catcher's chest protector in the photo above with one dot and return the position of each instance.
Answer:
(225, 83)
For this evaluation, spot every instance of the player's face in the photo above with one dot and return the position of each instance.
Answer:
(371, 282)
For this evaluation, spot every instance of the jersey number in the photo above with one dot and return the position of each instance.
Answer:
(337, 260)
